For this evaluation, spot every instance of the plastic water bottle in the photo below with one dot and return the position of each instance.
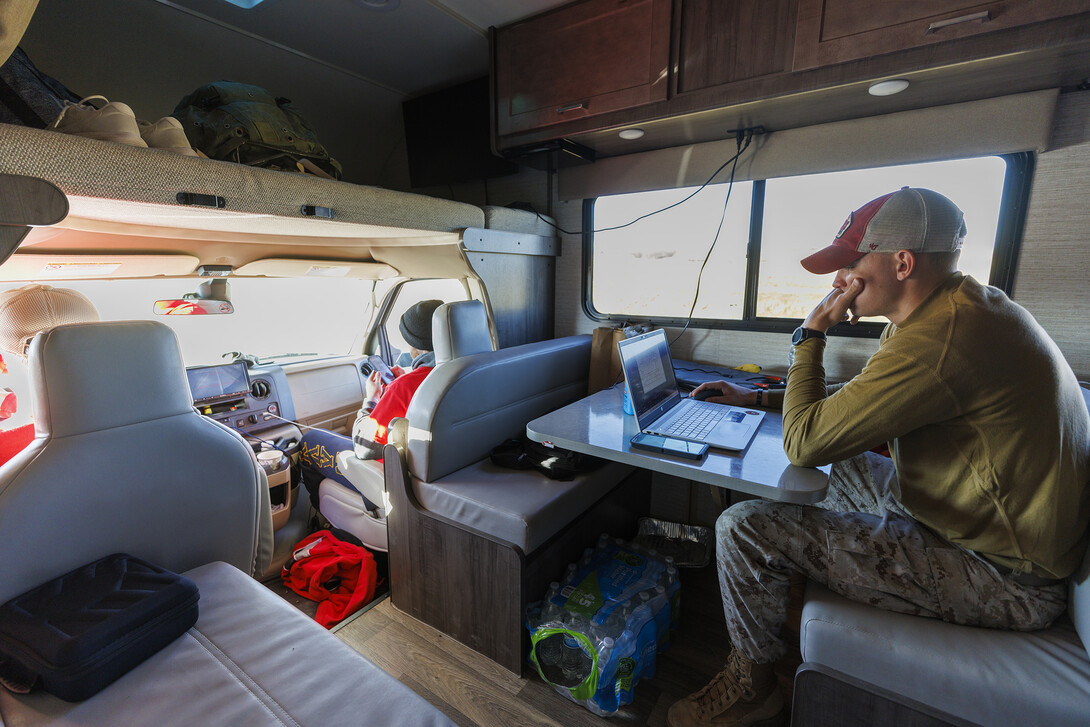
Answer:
(549, 610)
(549, 651)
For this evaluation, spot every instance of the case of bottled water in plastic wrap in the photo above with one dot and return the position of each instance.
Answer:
(600, 628)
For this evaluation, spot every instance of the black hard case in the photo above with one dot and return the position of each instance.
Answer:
(78, 633)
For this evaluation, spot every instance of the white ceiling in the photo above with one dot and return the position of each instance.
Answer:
(419, 46)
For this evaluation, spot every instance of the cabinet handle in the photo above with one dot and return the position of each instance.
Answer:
(983, 16)
(571, 107)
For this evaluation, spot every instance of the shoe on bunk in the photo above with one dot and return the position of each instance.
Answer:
(743, 694)
(167, 134)
(115, 121)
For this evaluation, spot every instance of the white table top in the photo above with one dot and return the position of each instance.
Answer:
(597, 425)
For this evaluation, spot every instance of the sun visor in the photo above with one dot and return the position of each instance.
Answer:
(284, 268)
(45, 266)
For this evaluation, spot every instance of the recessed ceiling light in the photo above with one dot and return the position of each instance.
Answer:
(888, 88)
(383, 6)
(630, 134)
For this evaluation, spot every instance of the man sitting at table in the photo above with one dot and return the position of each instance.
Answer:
(982, 510)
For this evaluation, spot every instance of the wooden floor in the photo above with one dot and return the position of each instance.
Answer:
(474, 691)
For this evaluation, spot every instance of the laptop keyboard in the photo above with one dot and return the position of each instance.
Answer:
(697, 422)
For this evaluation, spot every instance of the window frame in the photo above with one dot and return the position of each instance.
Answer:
(1013, 204)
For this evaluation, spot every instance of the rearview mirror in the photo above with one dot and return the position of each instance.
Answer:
(213, 297)
(192, 307)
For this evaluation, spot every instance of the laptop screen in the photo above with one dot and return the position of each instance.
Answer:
(648, 371)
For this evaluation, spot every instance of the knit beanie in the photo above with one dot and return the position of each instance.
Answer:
(416, 324)
(31, 309)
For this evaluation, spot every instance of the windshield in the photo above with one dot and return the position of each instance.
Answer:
(276, 319)
(315, 316)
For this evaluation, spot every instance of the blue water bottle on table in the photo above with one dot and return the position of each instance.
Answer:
(627, 401)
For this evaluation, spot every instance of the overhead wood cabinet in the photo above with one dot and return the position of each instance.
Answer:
(686, 71)
(723, 42)
(580, 60)
(835, 31)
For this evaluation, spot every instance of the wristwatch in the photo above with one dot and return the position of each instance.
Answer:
(801, 334)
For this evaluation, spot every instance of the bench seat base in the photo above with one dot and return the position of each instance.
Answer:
(474, 585)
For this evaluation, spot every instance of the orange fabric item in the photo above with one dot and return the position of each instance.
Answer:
(14, 441)
(340, 576)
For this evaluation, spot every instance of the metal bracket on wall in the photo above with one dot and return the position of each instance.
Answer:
(478, 239)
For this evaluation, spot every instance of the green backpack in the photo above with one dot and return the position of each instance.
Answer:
(241, 123)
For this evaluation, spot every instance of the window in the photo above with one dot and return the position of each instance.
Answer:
(752, 278)
(409, 294)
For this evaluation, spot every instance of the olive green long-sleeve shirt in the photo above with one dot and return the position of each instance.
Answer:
(984, 420)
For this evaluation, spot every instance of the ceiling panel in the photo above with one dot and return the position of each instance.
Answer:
(420, 46)
(485, 13)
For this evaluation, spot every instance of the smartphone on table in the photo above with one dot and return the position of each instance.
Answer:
(384, 371)
(667, 445)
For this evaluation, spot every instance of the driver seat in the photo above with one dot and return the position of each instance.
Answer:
(123, 463)
(458, 329)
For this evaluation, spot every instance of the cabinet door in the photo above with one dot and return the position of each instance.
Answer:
(834, 31)
(723, 41)
(583, 59)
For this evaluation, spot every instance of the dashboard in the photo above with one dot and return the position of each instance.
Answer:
(249, 400)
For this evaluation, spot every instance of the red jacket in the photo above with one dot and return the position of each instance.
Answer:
(340, 576)
(395, 400)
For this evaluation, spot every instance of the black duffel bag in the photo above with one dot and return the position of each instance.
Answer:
(553, 462)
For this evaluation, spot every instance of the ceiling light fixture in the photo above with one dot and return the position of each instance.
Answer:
(888, 88)
(382, 6)
(630, 134)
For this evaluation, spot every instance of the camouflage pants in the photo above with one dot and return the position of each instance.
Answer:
(860, 543)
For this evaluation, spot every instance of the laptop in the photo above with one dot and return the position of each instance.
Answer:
(661, 409)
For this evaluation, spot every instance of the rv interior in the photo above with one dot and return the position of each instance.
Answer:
(548, 169)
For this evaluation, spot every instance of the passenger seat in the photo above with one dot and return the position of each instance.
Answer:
(458, 329)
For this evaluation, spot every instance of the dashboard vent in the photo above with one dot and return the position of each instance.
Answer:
(260, 389)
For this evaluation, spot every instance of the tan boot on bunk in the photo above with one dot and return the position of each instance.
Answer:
(115, 121)
(167, 134)
(744, 694)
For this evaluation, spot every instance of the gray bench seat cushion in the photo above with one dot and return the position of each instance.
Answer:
(520, 507)
(252, 659)
(987, 676)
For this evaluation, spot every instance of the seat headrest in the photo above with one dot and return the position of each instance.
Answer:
(91, 376)
(460, 329)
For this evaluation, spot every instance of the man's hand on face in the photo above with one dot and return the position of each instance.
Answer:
(834, 308)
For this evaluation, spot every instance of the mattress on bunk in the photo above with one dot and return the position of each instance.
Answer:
(103, 170)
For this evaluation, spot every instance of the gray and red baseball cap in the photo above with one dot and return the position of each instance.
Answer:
(911, 218)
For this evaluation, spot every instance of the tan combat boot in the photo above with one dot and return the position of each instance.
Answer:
(743, 694)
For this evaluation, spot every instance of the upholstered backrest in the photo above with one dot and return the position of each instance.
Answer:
(467, 406)
(1079, 584)
(123, 463)
(460, 329)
